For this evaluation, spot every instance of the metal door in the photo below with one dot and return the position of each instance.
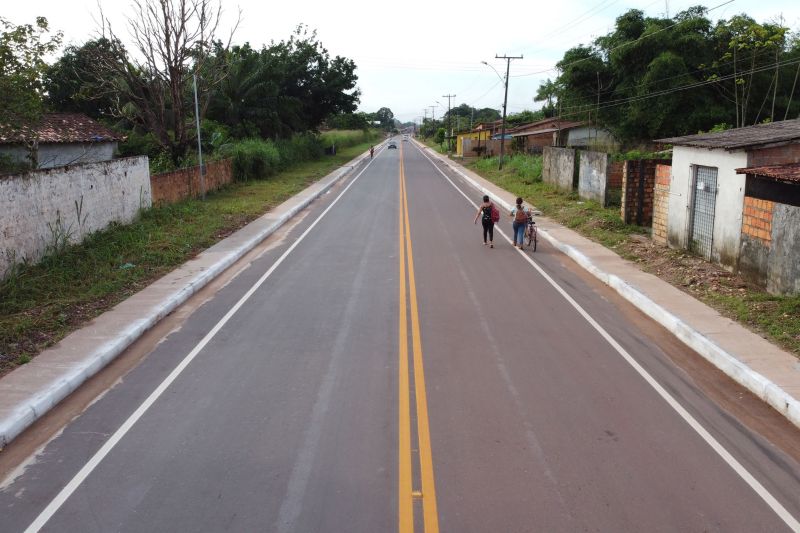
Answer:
(703, 202)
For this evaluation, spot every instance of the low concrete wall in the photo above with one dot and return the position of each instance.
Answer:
(171, 187)
(475, 148)
(43, 209)
(593, 176)
(784, 267)
(558, 167)
(771, 245)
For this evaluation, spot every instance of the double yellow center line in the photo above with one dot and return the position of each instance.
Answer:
(408, 291)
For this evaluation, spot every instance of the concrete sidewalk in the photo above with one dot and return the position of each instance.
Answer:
(769, 372)
(31, 390)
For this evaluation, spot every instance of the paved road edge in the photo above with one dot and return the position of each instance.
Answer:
(758, 384)
(31, 404)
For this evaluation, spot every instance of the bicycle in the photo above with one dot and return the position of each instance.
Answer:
(531, 233)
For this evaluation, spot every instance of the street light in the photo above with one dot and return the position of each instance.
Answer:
(505, 100)
(495, 71)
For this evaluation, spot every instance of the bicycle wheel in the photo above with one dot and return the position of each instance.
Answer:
(535, 239)
(528, 237)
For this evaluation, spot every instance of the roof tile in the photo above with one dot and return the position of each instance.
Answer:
(61, 128)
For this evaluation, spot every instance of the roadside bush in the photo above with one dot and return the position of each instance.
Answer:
(253, 159)
(299, 148)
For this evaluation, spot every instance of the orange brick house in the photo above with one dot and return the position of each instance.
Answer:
(734, 198)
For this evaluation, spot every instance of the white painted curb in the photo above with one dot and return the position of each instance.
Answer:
(753, 381)
(39, 402)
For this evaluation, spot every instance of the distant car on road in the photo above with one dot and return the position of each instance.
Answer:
(392, 144)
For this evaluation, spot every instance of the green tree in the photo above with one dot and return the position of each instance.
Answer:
(23, 50)
(72, 82)
(349, 121)
(547, 93)
(287, 87)
(385, 116)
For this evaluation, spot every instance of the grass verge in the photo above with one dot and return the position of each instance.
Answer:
(40, 304)
(776, 318)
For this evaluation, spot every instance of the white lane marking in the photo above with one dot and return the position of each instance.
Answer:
(87, 469)
(726, 456)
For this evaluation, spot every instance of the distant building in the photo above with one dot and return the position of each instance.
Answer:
(734, 198)
(59, 139)
(558, 132)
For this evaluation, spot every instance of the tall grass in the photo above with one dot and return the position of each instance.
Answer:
(527, 167)
(260, 159)
(346, 138)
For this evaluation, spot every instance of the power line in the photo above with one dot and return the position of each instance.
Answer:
(581, 108)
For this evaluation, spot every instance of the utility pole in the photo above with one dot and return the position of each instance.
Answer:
(449, 119)
(433, 120)
(505, 104)
(424, 119)
(199, 145)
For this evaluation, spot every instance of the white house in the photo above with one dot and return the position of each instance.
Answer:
(59, 139)
(715, 184)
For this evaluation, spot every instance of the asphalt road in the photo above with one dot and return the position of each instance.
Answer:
(379, 369)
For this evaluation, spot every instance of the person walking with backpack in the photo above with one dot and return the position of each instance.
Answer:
(489, 215)
(520, 215)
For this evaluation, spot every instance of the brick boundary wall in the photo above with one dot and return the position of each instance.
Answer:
(629, 210)
(757, 220)
(171, 187)
(774, 155)
(661, 203)
(614, 178)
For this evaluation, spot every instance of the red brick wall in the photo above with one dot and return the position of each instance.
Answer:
(757, 219)
(661, 203)
(777, 155)
(171, 187)
(630, 190)
(614, 176)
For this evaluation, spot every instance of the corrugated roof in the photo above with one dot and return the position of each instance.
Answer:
(740, 138)
(561, 126)
(788, 172)
(61, 128)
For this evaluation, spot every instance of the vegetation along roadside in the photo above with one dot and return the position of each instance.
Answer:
(776, 318)
(40, 304)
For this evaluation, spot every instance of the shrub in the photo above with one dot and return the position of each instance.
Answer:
(253, 158)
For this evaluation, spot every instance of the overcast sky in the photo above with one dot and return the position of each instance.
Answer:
(411, 53)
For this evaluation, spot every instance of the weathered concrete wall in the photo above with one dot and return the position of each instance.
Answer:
(558, 167)
(593, 176)
(41, 208)
(17, 153)
(487, 147)
(783, 275)
(57, 155)
(51, 155)
(591, 137)
(729, 202)
(171, 187)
